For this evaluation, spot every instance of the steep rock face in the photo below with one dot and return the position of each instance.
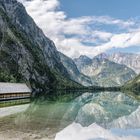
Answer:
(23, 22)
(74, 72)
(25, 53)
(104, 72)
(128, 59)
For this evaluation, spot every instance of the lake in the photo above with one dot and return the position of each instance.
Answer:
(75, 115)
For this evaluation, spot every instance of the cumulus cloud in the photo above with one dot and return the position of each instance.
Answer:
(78, 36)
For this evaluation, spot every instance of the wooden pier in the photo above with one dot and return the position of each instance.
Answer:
(14, 93)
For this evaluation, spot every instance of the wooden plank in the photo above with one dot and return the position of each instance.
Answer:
(16, 98)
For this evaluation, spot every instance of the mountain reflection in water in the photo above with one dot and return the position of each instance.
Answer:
(48, 115)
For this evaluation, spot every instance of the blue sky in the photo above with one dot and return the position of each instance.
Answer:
(122, 9)
(88, 27)
(115, 8)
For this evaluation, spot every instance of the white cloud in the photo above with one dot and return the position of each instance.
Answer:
(72, 36)
(105, 36)
(111, 21)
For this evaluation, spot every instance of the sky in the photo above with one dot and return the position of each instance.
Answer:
(88, 27)
(113, 8)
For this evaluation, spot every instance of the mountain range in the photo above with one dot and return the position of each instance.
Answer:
(131, 60)
(104, 72)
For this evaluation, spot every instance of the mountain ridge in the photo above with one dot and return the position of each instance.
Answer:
(103, 71)
(74, 72)
(26, 54)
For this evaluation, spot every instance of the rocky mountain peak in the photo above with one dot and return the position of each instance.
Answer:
(102, 56)
(83, 59)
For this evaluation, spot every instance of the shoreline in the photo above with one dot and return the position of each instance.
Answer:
(6, 111)
(11, 130)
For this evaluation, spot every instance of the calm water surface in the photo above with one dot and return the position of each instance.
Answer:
(114, 115)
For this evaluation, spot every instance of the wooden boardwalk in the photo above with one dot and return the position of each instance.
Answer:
(12, 93)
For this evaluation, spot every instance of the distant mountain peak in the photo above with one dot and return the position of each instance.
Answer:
(84, 57)
(102, 56)
(83, 60)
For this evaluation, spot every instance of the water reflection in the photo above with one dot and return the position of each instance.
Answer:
(51, 112)
(14, 102)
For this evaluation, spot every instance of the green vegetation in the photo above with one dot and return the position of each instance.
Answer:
(132, 88)
(133, 85)
(6, 77)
